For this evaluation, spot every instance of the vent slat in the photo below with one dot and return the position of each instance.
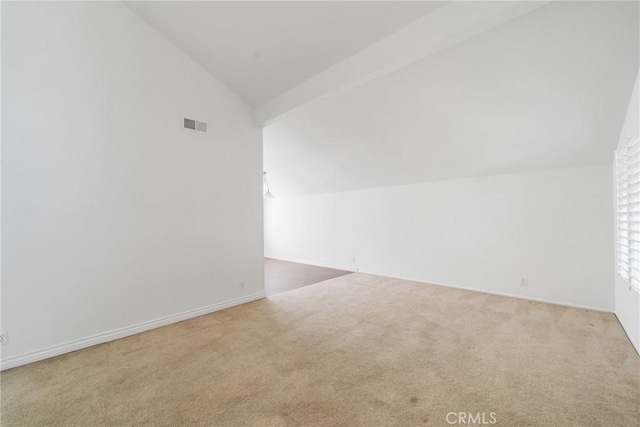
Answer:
(195, 125)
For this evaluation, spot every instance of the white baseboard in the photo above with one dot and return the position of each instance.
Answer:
(57, 350)
(503, 294)
(413, 279)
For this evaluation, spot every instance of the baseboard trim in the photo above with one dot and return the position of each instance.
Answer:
(503, 294)
(57, 350)
(637, 349)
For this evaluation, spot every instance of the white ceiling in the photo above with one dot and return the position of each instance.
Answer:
(549, 89)
(262, 49)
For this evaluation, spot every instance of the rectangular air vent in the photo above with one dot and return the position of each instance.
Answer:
(195, 125)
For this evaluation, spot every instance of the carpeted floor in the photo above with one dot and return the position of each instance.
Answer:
(358, 350)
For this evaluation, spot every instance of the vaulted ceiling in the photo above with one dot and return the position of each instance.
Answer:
(365, 94)
(261, 49)
(547, 90)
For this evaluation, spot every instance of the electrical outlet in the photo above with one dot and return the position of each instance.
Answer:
(524, 281)
(3, 338)
(241, 285)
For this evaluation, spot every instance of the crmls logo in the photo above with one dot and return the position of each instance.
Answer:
(469, 418)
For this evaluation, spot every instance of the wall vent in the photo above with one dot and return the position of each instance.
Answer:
(195, 125)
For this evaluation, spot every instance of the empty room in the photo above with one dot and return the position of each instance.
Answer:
(320, 213)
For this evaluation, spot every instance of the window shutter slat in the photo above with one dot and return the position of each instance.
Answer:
(628, 211)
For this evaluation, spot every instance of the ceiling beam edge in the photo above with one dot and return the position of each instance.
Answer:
(441, 29)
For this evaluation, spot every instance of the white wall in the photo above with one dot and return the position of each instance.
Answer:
(317, 230)
(113, 215)
(532, 94)
(554, 227)
(628, 301)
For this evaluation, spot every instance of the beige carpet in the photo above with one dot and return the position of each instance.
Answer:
(358, 350)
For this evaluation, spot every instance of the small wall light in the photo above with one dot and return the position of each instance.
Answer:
(265, 187)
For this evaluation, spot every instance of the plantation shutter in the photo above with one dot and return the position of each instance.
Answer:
(628, 212)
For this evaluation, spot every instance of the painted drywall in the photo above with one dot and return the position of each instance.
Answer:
(317, 230)
(552, 227)
(447, 26)
(547, 90)
(115, 218)
(627, 301)
(262, 49)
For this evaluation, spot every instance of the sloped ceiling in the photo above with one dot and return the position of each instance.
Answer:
(260, 49)
(549, 89)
